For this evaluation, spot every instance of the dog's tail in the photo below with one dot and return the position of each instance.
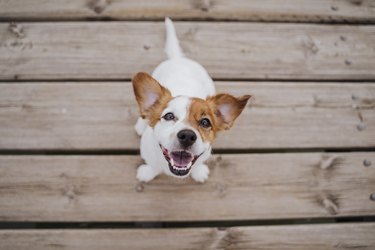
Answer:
(172, 47)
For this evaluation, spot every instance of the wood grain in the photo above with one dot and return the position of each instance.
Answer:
(95, 116)
(255, 10)
(240, 187)
(293, 237)
(117, 50)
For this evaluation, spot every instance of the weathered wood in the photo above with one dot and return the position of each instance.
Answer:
(91, 116)
(293, 237)
(258, 10)
(117, 50)
(240, 187)
(314, 237)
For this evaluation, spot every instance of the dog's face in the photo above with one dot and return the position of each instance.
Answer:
(183, 126)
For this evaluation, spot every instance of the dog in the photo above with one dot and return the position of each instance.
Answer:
(180, 115)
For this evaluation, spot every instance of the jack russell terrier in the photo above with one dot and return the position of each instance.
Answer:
(180, 115)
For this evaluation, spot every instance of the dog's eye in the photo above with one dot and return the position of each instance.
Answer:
(169, 116)
(205, 123)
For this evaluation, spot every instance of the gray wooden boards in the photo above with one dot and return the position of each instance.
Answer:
(117, 50)
(95, 116)
(292, 237)
(240, 187)
(328, 11)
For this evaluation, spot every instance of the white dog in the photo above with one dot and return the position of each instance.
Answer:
(180, 115)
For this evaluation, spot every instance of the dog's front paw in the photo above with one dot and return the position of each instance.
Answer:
(146, 173)
(200, 173)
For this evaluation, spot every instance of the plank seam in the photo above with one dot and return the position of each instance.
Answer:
(121, 80)
(186, 224)
(214, 151)
(207, 20)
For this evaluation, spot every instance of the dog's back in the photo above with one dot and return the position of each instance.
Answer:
(179, 74)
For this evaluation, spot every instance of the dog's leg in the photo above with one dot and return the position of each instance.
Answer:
(146, 173)
(140, 126)
(200, 173)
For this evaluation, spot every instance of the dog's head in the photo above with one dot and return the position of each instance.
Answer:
(183, 126)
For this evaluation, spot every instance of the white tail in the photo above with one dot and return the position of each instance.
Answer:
(172, 47)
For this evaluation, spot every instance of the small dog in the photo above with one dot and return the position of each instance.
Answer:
(180, 115)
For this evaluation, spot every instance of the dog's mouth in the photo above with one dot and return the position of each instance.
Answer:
(180, 161)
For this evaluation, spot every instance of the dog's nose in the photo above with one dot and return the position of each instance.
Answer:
(186, 137)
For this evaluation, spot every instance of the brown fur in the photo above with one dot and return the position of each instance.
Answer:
(236, 104)
(210, 108)
(143, 84)
(200, 109)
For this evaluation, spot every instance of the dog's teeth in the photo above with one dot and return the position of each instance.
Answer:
(187, 167)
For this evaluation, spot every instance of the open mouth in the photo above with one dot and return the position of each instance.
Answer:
(179, 161)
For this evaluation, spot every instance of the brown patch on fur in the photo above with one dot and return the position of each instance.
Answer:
(226, 108)
(152, 98)
(212, 109)
(199, 109)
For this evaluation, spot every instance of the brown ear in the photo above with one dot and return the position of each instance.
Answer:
(149, 93)
(226, 109)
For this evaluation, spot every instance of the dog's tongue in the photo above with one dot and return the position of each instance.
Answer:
(181, 158)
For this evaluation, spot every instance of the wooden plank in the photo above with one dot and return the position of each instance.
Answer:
(240, 187)
(258, 10)
(94, 116)
(117, 50)
(293, 237)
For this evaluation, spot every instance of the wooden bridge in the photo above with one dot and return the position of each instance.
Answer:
(297, 171)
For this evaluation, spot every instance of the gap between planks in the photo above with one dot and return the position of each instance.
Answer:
(214, 151)
(325, 11)
(16, 225)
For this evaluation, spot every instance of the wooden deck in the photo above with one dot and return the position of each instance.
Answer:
(297, 171)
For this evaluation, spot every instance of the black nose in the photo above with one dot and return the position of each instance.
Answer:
(186, 137)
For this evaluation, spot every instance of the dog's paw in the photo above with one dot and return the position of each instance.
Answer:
(146, 173)
(140, 126)
(200, 173)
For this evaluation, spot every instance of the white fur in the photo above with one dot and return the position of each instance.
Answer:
(200, 173)
(140, 126)
(184, 78)
(172, 47)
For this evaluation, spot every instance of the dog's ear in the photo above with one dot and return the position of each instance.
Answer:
(226, 109)
(149, 93)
